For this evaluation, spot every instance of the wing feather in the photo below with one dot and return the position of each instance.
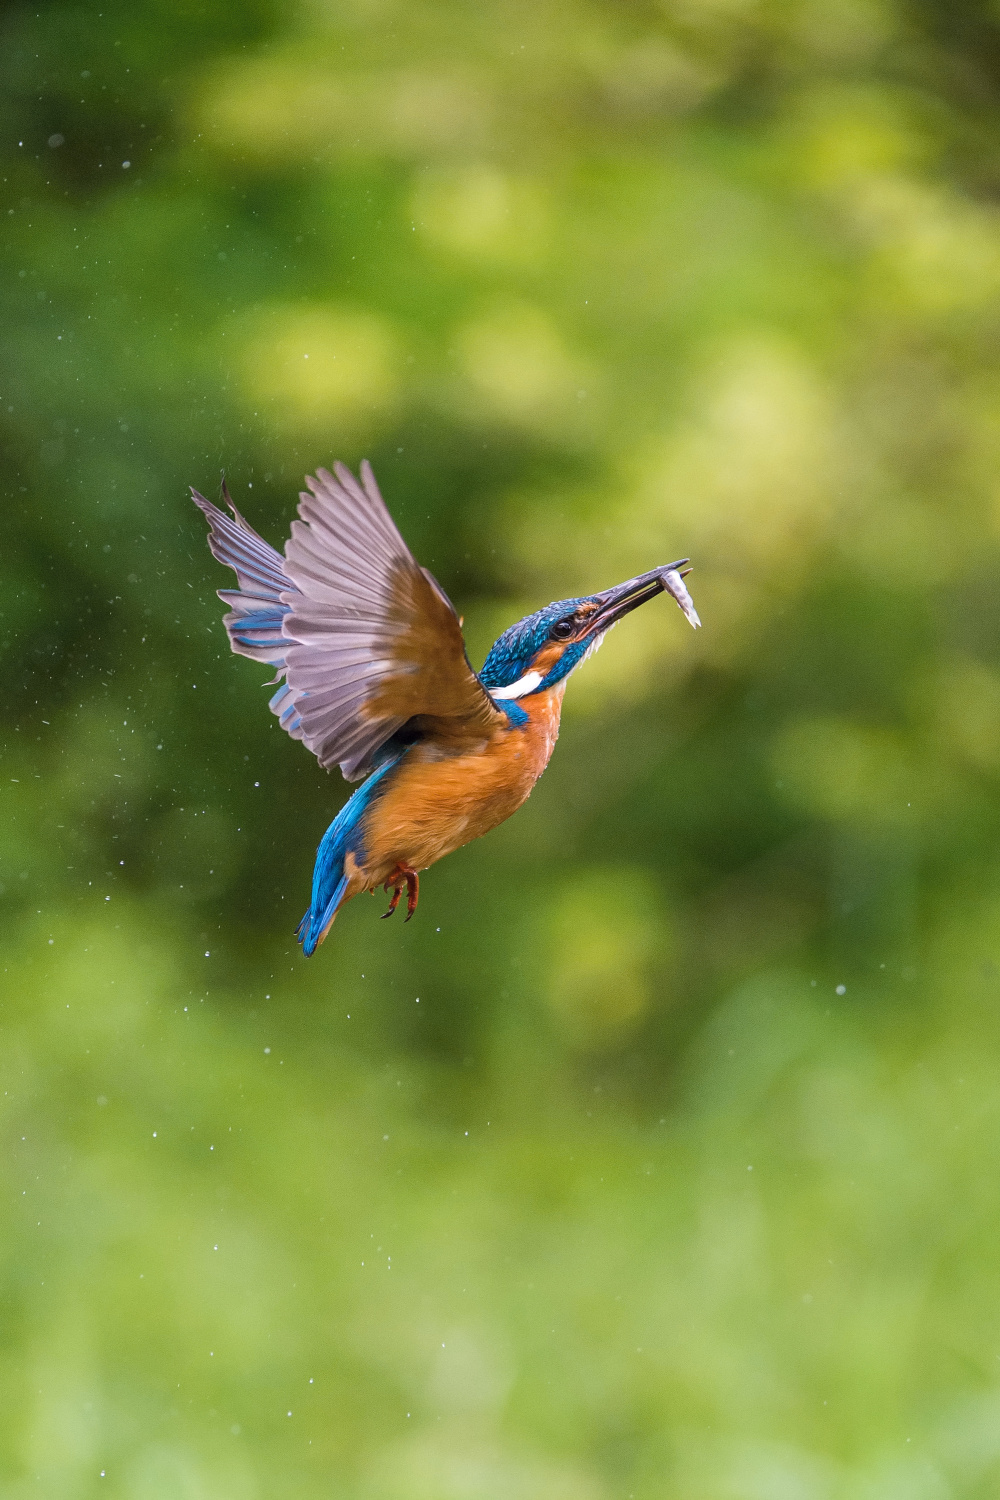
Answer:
(365, 638)
(254, 621)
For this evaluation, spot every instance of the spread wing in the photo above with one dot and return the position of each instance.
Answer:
(366, 640)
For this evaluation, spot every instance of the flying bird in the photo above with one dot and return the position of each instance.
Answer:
(374, 677)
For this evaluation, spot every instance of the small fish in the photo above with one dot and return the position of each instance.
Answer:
(673, 583)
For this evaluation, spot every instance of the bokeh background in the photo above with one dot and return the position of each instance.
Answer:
(659, 1156)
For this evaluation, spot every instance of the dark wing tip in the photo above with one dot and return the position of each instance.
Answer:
(213, 512)
(209, 509)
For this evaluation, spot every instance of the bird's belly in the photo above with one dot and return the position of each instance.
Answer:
(433, 805)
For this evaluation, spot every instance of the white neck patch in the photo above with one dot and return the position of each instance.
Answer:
(518, 689)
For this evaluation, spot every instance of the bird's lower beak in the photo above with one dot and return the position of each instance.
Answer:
(615, 603)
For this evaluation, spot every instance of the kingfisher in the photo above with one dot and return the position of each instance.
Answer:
(373, 677)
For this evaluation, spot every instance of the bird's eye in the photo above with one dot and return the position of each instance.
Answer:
(562, 630)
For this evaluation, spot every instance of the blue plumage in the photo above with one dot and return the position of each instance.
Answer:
(344, 836)
(260, 630)
(283, 705)
(511, 656)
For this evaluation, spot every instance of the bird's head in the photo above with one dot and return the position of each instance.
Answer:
(542, 649)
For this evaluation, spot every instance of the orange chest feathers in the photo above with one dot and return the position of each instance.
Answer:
(436, 803)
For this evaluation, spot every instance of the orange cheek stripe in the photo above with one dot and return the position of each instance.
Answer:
(548, 657)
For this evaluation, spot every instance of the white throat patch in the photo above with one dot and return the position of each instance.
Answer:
(525, 684)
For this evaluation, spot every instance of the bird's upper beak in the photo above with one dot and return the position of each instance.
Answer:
(615, 603)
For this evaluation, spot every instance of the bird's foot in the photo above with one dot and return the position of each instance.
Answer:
(403, 875)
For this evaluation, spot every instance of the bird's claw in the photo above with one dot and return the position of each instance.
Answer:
(403, 875)
(395, 899)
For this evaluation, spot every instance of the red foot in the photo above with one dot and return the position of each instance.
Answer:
(401, 875)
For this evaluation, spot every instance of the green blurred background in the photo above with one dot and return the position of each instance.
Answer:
(659, 1156)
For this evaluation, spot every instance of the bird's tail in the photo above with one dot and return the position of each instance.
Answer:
(344, 836)
(315, 925)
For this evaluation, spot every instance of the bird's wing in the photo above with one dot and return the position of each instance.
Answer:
(368, 639)
(254, 624)
(373, 638)
(257, 607)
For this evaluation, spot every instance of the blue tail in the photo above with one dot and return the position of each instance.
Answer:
(310, 931)
(344, 836)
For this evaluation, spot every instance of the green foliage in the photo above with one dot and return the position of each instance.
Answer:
(654, 1158)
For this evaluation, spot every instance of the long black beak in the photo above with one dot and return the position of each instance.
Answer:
(615, 603)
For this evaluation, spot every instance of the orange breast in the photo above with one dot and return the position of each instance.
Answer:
(434, 803)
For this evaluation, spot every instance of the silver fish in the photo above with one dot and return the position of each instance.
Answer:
(673, 583)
